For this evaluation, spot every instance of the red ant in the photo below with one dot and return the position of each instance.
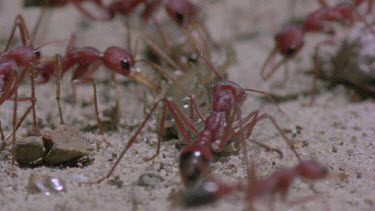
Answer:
(221, 126)
(85, 61)
(290, 40)
(210, 190)
(11, 60)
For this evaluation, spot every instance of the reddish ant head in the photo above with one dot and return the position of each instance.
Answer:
(23, 55)
(290, 40)
(311, 169)
(238, 93)
(181, 11)
(118, 60)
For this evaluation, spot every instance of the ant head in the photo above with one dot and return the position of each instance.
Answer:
(181, 11)
(312, 169)
(118, 60)
(238, 93)
(290, 40)
(23, 55)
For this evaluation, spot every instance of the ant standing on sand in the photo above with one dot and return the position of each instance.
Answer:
(15, 63)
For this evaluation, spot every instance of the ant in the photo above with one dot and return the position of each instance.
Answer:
(290, 40)
(84, 62)
(15, 63)
(209, 189)
(182, 12)
(221, 126)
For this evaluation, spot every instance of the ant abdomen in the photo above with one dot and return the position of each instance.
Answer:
(193, 161)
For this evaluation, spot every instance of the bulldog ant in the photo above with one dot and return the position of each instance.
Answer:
(84, 62)
(290, 40)
(11, 60)
(209, 189)
(223, 124)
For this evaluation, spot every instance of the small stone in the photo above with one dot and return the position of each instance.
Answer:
(45, 184)
(150, 180)
(67, 143)
(29, 149)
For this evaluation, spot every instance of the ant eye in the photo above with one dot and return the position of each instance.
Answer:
(37, 53)
(125, 64)
(179, 17)
(291, 51)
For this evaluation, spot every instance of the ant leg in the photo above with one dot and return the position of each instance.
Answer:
(168, 44)
(58, 77)
(128, 33)
(3, 144)
(160, 52)
(91, 80)
(191, 97)
(117, 98)
(87, 14)
(268, 148)
(39, 20)
(1, 133)
(129, 144)
(33, 99)
(270, 57)
(160, 134)
(19, 23)
(286, 72)
(192, 40)
(288, 141)
(14, 129)
(276, 67)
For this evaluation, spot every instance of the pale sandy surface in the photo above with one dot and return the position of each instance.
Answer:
(337, 132)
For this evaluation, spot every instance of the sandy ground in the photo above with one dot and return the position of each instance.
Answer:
(336, 131)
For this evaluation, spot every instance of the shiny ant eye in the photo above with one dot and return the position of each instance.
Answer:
(37, 53)
(125, 64)
(291, 51)
(179, 17)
